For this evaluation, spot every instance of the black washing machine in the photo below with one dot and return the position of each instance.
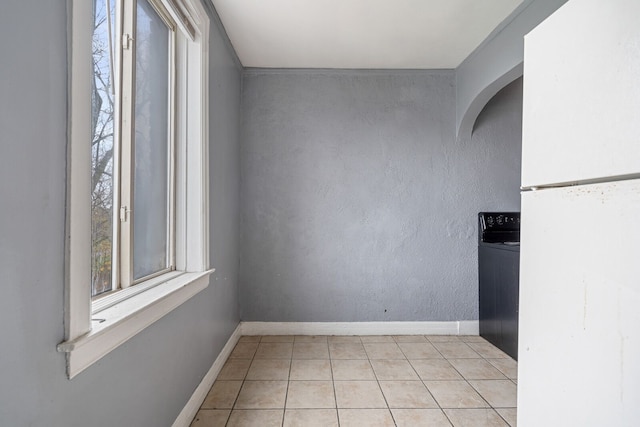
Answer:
(499, 276)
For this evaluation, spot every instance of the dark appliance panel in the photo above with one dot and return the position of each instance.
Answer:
(499, 273)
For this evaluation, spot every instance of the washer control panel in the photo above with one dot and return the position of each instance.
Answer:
(499, 227)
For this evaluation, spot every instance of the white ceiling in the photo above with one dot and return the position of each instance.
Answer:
(370, 34)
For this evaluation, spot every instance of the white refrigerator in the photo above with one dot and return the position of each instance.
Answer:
(579, 337)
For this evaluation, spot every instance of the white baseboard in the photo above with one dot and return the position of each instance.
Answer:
(191, 408)
(464, 327)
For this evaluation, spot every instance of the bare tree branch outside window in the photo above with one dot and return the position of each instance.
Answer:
(102, 143)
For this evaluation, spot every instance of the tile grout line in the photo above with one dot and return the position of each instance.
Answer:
(500, 415)
(434, 398)
(333, 379)
(243, 380)
(473, 388)
(333, 382)
(464, 379)
(419, 377)
(286, 394)
(467, 381)
(378, 381)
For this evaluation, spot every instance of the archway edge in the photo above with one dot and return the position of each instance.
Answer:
(465, 125)
(496, 62)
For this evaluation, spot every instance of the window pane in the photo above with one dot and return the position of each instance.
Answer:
(102, 147)
(151, 147)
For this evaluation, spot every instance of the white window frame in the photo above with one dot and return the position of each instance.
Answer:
(92, 330)
(123, 271)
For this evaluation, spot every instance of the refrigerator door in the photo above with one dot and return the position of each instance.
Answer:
(579, 342)
(582, 94)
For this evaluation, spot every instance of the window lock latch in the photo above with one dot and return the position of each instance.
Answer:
(124, 213)
(126, 40)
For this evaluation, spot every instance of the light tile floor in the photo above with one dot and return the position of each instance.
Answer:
(363, 381)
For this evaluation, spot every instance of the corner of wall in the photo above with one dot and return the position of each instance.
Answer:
(208, 4)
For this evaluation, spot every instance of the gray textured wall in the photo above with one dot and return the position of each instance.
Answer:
(357, 202)
(146, 381)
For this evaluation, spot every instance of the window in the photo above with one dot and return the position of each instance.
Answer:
(137, 217)
(139, 242)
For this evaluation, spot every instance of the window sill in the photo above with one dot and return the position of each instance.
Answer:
(114, 325)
